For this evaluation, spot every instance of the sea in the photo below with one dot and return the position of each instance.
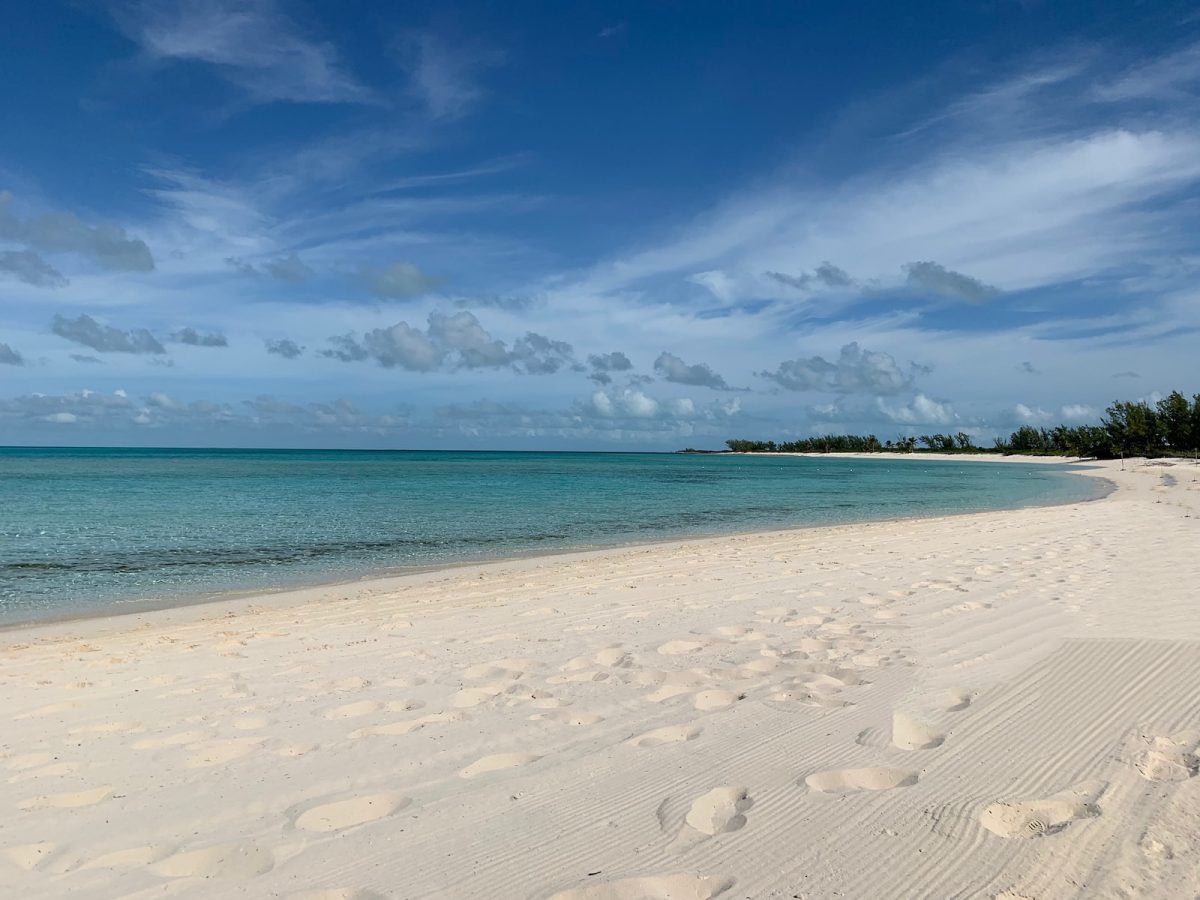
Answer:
(98, 530)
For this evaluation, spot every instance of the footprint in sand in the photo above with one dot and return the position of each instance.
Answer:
(130, 858)
(27, 761)
(407, 726)
(486, 670)
(909, 733)
(652, 887)
(681, 647)
(469, 697)
(42, 711)
(29, 856)
(710, 701)
(74, 800)
(667, 691)
(220, 861)
(1168, 758)
(775, 615)
(342, 814)
(105, 728)
(569, 718)
(219, 752)
(670, 734)
(353, 710)
(957, 700)
(846, 781)
(57, 770)
(353, 683)
(498, 762)
(1034, 818)
(719, 811)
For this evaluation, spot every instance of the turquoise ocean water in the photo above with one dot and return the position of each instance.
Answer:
(82, 530)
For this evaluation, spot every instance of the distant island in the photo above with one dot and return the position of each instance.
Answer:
(1169, 428)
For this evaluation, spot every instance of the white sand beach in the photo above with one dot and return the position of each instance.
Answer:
(1000, 705)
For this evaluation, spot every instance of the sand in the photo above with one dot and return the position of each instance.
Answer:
(1000, 705)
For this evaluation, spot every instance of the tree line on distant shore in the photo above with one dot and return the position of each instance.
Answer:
(1171, 427)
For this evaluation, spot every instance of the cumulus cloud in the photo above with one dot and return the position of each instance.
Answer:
(67, 409)
(29, 267)
(617, 416)
(855, 371)
(285, 348)
(1031, 415)
(339, 415)
(536, 354)
(920, 411)
(1028, 369)
(462, 333)
(118, 411)
(87, 331)
(105, 244)
(10, 357)
(937, 278)
(194, 338)
(399, 281)
(825, 275)
(1078, 412)
(632, 403)
(454, 341)
(86, 360)
(675, 370)
(1127, 375)
(288, 268)
(603, 364)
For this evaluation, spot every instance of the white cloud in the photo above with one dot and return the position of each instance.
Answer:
(856, 371)
(399, 281)
(252, 43)
(675, 370)
(1078, 412)
(105, 244)
(444, 74)
(1031, 415)
(920, 411)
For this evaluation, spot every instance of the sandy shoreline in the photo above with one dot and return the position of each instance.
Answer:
(323, 588)
(994, 704)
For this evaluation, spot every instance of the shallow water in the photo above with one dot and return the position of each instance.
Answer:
(83, 529)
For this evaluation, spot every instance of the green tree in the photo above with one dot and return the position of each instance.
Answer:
(1133, 428)
(1175, 421)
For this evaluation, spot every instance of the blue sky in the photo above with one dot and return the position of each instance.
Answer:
(591, 225)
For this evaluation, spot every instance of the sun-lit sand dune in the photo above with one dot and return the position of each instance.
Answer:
(1001, 705)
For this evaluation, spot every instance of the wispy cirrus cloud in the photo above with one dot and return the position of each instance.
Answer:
(444, 73)
(251, 43)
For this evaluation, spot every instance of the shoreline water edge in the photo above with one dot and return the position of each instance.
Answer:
(340, 579)
(824, 711)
